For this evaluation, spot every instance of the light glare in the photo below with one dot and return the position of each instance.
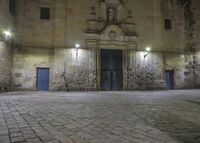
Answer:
(77, 46)
(148, 49)
(7, 34)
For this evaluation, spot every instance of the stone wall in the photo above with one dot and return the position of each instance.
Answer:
(30, 30)
(68, 23)
(6, 19)
(25, 64)
(145, 73)
(6, 24)
(69, 70)
(149, 72)
(197, 69)
(183, 69)
(78, 71)
(196, 12)
(74, 70)
(5, 66)
(50, 43)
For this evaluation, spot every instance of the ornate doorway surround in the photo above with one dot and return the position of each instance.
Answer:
(111, 29)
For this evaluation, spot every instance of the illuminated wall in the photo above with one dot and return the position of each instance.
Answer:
(50, 43)
(6, 27)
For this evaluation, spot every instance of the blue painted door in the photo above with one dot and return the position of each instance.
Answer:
(43, 79)
(169, 76)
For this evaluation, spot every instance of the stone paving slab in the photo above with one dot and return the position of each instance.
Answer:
(100, 117)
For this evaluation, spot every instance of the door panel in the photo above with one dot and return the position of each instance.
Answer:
(117, 80)
(105, 83)
(111, 70)
(43, 79)
(169, 77)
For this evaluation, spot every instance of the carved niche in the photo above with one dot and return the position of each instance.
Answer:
(110, 26)
(111, 10)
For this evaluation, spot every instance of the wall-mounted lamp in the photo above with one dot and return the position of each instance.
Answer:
(147, 51)
(7, 34)
(77, 47)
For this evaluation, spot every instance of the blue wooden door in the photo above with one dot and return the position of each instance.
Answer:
(43, 79)
(169, 76)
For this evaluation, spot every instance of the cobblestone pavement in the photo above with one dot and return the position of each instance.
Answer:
(100, 117)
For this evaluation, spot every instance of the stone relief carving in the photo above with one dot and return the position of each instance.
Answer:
(113, 35)
(110, 24)
(110, 10)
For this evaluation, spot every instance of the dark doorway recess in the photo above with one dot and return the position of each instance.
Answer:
(43, 79)
(111, 70)
(169, 77)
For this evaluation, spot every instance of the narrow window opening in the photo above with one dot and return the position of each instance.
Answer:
(45, 13)
(168, 24)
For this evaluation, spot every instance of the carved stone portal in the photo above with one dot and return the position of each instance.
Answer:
(111, 27)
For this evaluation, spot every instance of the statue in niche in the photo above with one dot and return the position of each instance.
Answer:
(111, 15)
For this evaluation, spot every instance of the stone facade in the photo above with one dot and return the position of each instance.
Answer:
(6, 23)
(127, 25)
(25, 64)
(5, 67)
